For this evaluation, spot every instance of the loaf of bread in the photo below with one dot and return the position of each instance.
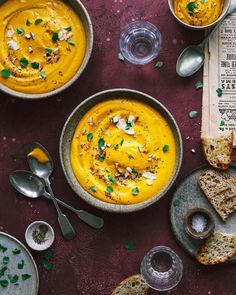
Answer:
(218, 150)
(217, 249)
(220, 189)
(133, 285)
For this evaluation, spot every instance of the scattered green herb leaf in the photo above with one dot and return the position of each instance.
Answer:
(38, 21)
(28, 23)
(135, 191)
(121, 57)
(159, 64)
(21, 264)
(193, 114)
(165, 148)
(47, 265)
(116, 146)
(16, 251)
(35, 65)
(13, 278)
(25, 276)
(69, 29)
(93, 189)
(24, 62)
(101, 143)
(48, 254)
(198, 85)
(112, 179)
(222, 123)
(4, 283)
(109, 189)
(219, 92)
(71, 43)
(2, 271)
(6, 74)
(134, 171)
(20, 31)
(101, 158)
(122, 141)
(128, 126)
(5, 260)
(48, 50)
(89, 137)
(191, 6)
(129, 246)
(55, 37)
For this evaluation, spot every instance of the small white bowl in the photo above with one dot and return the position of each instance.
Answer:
(50, 236)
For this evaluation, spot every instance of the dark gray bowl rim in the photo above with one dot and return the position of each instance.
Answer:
(79, 72)
(117, 208)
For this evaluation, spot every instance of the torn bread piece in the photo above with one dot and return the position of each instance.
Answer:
(133, 285)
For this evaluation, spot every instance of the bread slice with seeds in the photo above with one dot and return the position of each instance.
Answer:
(217, 249)
(219, 187)
(133, 285)
(218, 150)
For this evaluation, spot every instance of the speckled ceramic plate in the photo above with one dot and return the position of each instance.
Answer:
(25, 287)
(189, 195)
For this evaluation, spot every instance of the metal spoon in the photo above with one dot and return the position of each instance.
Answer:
(193, 57)
(44, 170)
(32, 186)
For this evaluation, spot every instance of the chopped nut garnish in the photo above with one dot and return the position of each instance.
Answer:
(30, 49)
(56, 59)
(129, 170)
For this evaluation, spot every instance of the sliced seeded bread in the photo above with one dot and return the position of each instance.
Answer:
(218, 150)
(133, 285)
(217, 249)
(220, 189)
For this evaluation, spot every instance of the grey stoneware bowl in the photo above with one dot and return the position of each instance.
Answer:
(68, 133)
(225, 9)
(81, 11)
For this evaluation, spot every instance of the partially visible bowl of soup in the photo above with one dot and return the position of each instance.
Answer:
(45, 46)
(121, 150)
(199, 14)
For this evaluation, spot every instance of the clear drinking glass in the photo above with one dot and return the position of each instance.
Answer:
(140, 42)
(161, 268)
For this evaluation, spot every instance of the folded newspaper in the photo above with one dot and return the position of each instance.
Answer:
(219, 80)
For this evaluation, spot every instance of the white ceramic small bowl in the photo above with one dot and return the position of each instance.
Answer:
(50, 236)
(225, 10)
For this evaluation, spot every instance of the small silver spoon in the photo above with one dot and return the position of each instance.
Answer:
(44, 170)
(32, 186)
(193, 57)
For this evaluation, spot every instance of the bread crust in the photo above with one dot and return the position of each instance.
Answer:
(133, 285)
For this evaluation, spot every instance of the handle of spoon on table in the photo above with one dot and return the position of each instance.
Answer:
(67, 229)
(90, 219)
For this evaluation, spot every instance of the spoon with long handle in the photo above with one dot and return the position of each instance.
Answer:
(41, 164)
(32, 186)
(193, 57)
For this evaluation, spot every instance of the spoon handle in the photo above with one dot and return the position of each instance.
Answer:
(92, 220)
(67, 229)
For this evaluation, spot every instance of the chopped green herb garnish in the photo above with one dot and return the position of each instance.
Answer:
(89, 137)
(47, 265)
(93, 189)
(48, 50)
(122, 141)
(129, 246)
(69, 29)
(43, 75)
(16, 251)
(5, 260)
(71, 43)
(35, 65)
(191, 6)
(193, 114)
(101, 143)
(199, 85)
(55, 37)
(165, 148)
(134, 171)
(128, 126)
(6, 74)
(101, 158)
(48, 254)
(121, 57)
(109, 189)
(25, 276)
(38, 21)
(222, 123)
(2, 271)
(20, 31)
(13, 278)
(28, 23)
(24, 62)
(21, 264)
(4, 283)
(219, 92)
(135, 191)
(159, 64)
(116, 146)
(111, 179)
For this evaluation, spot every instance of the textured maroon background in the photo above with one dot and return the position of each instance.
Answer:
(96, 261)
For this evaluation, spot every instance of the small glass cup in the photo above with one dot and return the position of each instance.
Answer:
(140, 42)
(161, 268)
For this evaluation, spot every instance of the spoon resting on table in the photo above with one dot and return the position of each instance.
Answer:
(32, 186)
(192, 58)
(41, 164)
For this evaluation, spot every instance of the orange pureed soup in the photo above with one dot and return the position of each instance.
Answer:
(198, 12)
(123, 151)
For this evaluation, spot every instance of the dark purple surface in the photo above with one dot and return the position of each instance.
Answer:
(96, 261)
